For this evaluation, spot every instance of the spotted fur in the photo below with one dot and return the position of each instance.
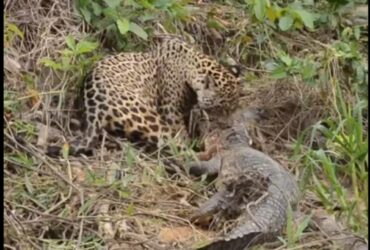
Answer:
(147, 97)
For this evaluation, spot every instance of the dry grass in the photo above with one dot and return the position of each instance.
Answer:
(77, 202)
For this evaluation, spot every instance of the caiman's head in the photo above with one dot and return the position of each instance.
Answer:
(238, 133)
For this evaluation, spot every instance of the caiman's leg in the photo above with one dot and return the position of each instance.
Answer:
(210, 167)
(210, 207)
(207, 155)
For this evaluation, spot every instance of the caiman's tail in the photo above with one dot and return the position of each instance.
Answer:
(262, 221)
(238, 243)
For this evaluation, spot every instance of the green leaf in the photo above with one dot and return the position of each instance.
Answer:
(357, 32)
(298, 24)
(130, 210)
(213, 23)
(290, 226)
(180, 12)
(169, 25)
(309, 2)
(286, 59)
(124, 194)
(333, 21)
(138, 31)
(87, 206)
(106, 23)
(83, 3)
(71, 43)
(113, 3)
(286, 22)
(65, 151)
(302, 226)
(259, 9)
(86, 46)
(66, 62)
(67, 52)
(163, 4)
(271, 14)
(13, 28)
(96, 8)
(347, 32)
(309, 70)
(130, 157)
(146, 4)
(148, 17)
(123, 25)
(8, 104)
(279, 73)
(28, 184)
(111, 13)
(306, 17)
(86, 15)
(50, 63)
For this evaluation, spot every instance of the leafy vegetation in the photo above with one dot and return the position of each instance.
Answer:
(122, 19)
(339, 169)
(306, 61)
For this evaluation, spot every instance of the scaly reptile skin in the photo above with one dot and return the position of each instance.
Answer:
(265, 219)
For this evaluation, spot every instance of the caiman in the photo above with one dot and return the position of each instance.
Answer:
(254, 187)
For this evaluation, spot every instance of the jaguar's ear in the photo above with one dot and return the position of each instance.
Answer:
(162, 37)
(235, 70)
(158, 39)
(232, 66)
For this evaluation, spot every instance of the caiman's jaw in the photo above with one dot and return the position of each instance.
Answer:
(238, 135)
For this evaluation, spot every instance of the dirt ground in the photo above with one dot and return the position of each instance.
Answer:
(78, 202)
